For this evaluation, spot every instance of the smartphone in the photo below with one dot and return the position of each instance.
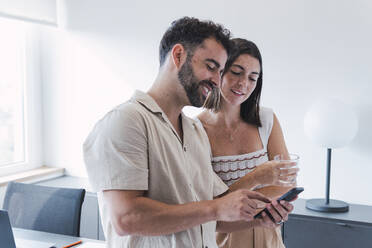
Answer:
(290, 195)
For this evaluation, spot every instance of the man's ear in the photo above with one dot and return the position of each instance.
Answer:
(178, 55)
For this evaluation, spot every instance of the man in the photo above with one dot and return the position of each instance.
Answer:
(150, 164)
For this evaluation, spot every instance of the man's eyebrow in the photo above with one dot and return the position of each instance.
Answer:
(214, 62)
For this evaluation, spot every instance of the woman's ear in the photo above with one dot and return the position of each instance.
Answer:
(178, 55)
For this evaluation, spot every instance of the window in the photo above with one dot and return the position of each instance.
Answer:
(12, 135)
(19, 136)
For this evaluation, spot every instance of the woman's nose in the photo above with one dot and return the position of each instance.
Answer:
(244, 82)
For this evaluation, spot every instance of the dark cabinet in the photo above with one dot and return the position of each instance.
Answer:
(306, 228)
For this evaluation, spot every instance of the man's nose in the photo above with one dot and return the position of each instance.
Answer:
(216, 79)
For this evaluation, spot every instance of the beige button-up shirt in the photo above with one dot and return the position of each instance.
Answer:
(135, 147)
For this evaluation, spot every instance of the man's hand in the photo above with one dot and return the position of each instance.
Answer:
(279, 211)
(240, 205)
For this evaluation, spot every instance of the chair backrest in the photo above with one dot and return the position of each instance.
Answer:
(42, 208)
(6, 232)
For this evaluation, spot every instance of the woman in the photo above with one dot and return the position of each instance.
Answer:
(244, 137)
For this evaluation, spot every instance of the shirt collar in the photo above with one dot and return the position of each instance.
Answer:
(147, 101)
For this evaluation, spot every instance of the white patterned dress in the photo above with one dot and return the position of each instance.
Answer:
(230, 169)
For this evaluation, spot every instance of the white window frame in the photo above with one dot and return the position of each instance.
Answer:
(33, 140)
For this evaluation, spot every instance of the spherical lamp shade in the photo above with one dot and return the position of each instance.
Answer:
(331, 123)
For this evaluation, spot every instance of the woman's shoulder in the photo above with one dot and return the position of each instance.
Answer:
(205, 119)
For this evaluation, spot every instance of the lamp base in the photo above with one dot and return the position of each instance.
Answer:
(334, 206)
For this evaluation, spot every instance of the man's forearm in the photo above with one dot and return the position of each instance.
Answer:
(134, 214)
(151, 218)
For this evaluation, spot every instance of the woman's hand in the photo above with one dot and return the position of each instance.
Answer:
(277, 173)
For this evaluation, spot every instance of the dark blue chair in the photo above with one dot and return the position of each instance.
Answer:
(42, 208)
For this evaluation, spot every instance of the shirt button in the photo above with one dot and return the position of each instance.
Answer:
(184, 148)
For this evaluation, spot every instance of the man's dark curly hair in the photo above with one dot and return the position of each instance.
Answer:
(191, 32)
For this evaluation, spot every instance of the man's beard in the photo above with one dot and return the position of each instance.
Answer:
(191, 84)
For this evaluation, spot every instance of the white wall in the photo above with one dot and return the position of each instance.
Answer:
(311, 49)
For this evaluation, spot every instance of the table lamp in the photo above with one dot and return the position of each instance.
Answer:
(330, 123)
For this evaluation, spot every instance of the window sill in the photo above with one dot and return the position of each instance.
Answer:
(31, 176)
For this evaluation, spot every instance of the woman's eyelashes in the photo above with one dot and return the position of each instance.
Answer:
(239, 73)
(253, 80)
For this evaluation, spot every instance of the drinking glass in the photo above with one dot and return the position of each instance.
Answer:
(292, 158)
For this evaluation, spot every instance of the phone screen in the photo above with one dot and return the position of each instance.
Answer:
(290, 195)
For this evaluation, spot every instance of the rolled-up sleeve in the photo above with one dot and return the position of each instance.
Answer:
(116, 151)
(219, 187)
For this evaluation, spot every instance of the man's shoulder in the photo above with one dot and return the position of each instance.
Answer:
(129, 110)
(120, 118)
(130, 107)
